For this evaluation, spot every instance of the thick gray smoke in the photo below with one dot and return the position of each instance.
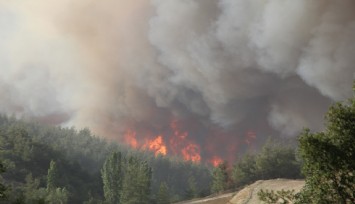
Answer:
(271, 66)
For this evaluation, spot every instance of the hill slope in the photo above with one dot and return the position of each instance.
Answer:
(248, 195)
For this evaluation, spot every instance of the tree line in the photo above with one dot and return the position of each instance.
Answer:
(44, 164)
(27, 150)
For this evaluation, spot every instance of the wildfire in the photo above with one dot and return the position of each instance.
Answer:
(191, 153)
(130, 138)
(215, 161)
(157, 146)
(179, 143)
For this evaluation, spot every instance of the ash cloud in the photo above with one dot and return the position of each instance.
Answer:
(269, 66)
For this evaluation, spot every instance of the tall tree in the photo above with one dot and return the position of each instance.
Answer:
(111, 174)
(57, 196)
(2, 187)
(277, 160)
(54, 193)
(191, 191)
(163, 194)
(136, 182)
(52, 176)
(220, 178)
(329, 158)
(32, 192)
(245, 170)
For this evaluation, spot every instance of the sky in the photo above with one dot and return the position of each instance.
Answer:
(224, 73)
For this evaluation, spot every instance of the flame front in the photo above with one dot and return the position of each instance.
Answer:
(176, 141)
(179, 143)
(157, 145)
(191, 153)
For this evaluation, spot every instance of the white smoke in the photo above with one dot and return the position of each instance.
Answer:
(232, 63)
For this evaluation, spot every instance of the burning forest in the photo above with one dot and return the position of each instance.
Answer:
(202, 80)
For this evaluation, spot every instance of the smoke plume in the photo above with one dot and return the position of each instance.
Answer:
(228, 72)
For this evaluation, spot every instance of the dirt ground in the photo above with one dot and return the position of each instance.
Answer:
(248, 195)
(220, 199)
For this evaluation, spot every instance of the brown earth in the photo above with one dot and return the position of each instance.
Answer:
(248, 195)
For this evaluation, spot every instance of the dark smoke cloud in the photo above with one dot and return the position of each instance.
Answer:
(269, 66)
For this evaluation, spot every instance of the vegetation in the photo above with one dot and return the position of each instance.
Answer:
(274, 161)
(220, 178)
(328, 160)
(111, 174)
(47, 164)
(282, 197)
(2, 186)
(163, 196)
(54, 164)
(136, 182)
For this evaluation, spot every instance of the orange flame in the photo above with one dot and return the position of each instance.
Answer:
(130, 138)
(191, 152)
(157, 145)
(215, 161)
(180, 144)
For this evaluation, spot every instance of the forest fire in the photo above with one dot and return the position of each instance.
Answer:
(179, 144)
(191, 153)
(215, 161)
(130, 138)
(176, 141)
(156, 145)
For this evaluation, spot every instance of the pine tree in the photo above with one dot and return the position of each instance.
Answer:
(163, 194)
(220, 178)
(2, 187)
(191, 192)
(52, 176)
(55, 194)
(111, 174)
(136, 182)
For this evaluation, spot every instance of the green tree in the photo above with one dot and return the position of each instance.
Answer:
(2, 186)
(274, 161)
(32, 192)
(220, 178)
(277, 161)
(57, 196)
(245, 170)
(191, 192)
(52, 176)
(111, 174)
(136, 182)
(329, 158)
(163, 194)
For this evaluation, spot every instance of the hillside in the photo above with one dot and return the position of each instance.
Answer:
(248, 195)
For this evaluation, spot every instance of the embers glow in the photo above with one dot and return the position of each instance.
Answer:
(215, 161)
